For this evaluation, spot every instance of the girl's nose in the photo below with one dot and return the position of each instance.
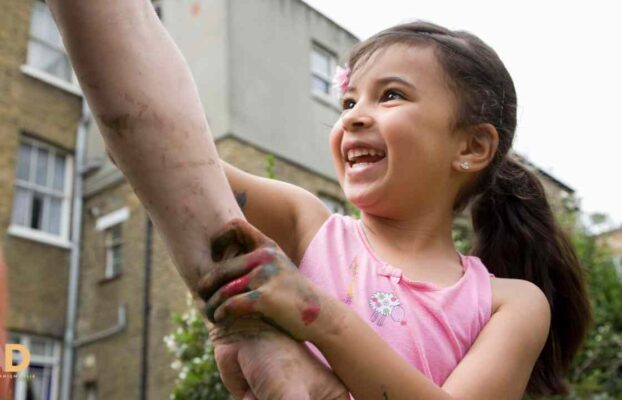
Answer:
(355, 119)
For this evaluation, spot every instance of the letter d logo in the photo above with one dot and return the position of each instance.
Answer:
(9, 348)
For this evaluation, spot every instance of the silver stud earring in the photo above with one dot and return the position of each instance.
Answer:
(465, 165)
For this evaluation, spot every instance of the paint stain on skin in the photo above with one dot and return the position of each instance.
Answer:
(254, 295)
(257, 258)
(310, 314)
(237, 286)
(268, 272)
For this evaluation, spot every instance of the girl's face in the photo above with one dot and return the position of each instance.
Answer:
(399, 105)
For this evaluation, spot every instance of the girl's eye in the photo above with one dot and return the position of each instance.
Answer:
(347, 104)
(392, 95)
(389, 95)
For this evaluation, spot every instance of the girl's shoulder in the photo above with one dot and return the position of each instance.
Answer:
(506, 291)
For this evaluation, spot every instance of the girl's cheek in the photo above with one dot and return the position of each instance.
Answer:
(335, 138)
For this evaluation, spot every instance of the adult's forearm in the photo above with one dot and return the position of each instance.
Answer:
(147, 107)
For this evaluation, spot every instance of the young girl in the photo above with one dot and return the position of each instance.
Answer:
(428, 121)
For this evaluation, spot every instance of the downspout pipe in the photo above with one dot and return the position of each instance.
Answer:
(74, 261)
(144, 362)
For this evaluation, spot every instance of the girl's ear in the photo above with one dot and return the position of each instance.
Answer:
(478, 148)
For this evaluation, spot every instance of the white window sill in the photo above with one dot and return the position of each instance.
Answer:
(51, 80)
(112, 219)
(38, 236)
(327, 101)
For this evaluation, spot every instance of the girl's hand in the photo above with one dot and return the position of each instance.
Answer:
(263, 282)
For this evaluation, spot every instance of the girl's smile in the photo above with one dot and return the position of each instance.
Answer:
(365, 170)
(397, 104)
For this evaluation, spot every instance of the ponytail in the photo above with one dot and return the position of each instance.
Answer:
(516, 236)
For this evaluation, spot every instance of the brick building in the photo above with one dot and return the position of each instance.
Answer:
(40, 109)
(55, 220)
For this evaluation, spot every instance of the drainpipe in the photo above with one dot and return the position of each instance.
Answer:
(144, 365)
(74, 262)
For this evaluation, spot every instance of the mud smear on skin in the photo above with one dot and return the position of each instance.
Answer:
(231, 243)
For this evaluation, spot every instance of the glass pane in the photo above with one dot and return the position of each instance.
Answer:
(23, 162)
(320, 85)
(37, 211)
(20, 207)
(320, 63)
(54, 215)
(116, 260)
(37, 347)
(49, 59)
(41, 177)
(43, 26)
(116, 233)
(38, 388)
(59, 172)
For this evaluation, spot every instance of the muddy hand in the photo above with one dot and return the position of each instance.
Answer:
(264, 283)
(250, 354)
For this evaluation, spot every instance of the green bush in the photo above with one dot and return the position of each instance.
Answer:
(597, 371)
(198, 377)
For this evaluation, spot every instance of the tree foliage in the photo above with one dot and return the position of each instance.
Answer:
(198, 377)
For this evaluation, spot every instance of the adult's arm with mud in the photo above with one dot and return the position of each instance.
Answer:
(149, 112)
(147, 107)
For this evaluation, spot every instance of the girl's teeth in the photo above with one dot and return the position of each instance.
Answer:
(360, 165)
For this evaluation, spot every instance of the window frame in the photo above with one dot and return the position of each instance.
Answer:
(62, 239)
(331, 96)
(53, 361)
(112, 243)
(105, 224)
(70, 85)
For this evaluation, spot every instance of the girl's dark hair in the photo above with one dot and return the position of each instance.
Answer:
(516, 234)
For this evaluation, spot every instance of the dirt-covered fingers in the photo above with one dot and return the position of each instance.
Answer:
(232, 270)
(237, 237)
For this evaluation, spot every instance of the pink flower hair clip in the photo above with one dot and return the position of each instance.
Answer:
(341, 79)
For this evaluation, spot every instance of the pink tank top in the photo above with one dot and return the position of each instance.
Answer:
(431, 327)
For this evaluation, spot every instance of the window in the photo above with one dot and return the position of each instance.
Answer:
(334, 205)
(45, 47)
(113, 251)
(323, 65)
(42, 191)
(111, 225)
(40, 380)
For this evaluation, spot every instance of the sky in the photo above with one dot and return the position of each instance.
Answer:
(565, 59)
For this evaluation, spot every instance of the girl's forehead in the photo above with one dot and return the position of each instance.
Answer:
(414, 62)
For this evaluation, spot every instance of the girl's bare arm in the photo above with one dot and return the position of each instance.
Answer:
(149, 112)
